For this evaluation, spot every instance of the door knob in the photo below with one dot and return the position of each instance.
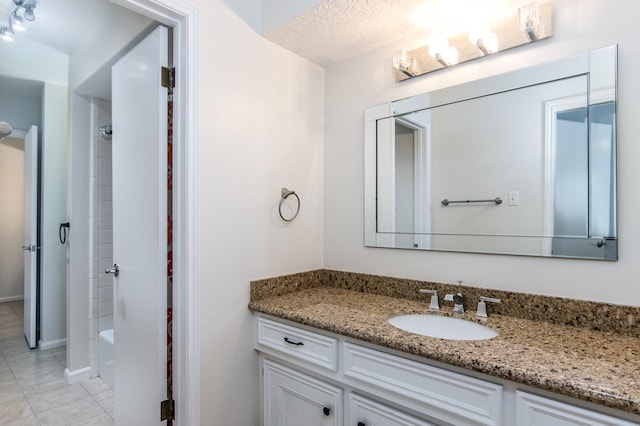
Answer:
(115, 270)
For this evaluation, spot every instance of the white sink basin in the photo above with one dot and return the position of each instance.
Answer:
(442, 327)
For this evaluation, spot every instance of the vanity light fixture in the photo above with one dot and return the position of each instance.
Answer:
(440, 50)
(23, 10)
(485, 40)
(404, 63)
(515, 27)
(530, 21)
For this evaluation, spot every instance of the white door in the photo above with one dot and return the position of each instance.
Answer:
(139, 113)
(30, 233)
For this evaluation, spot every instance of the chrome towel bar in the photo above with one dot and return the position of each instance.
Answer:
(496, 200)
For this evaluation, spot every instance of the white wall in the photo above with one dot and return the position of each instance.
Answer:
(11, 219)
(108, 38)
(30, 60)
(79, 292)
(354, 85)
(53, 177)
(103, 206)
(261, 129)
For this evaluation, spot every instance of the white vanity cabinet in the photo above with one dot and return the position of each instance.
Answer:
(295, 398)
(363, 411)
(312, 378)
(535, 410)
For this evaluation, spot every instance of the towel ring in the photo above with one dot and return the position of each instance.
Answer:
(284, 196)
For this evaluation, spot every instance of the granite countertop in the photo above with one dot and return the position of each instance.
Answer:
(596, 366)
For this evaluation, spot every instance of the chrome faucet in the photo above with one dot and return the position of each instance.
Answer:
(482, 306)
(457, 299)
(433, 304)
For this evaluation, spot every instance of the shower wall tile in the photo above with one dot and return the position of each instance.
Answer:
(105, 323)
(105, 193)
(105, 280)
(106, 251)
(105, 308)
(105, 294)
(105, 222)
(104, 149)
(105, 164)
(105, 236)
(104, 177)
(105, 207)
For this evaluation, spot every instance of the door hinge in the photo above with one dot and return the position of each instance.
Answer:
(167, 409)
(168, 77)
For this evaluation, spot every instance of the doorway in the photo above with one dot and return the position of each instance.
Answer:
(185, 330)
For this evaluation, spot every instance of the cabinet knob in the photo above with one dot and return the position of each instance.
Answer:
(326, 411)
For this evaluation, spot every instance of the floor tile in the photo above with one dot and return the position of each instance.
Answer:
(43, 398)
(41, 370)
(95, 386)
(13, 404)
(106, 400)
(33, 389)
(72, 413)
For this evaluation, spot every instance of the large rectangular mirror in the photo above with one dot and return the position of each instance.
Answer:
(521, 163)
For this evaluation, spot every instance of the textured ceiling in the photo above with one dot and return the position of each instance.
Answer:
(336, 30)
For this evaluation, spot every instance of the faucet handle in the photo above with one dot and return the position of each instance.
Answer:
(482, 306)
(433, 304)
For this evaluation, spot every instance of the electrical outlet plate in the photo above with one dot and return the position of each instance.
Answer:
(514, 198)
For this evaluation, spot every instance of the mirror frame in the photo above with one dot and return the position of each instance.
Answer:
(600, 67)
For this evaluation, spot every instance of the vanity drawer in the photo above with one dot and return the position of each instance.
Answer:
(452, 397)
(367, 412)
(299, 344)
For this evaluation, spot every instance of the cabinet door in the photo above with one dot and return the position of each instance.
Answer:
(366, 412)
(534, 410)
(292, 398)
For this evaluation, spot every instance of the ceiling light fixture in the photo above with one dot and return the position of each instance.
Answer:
(24, 10)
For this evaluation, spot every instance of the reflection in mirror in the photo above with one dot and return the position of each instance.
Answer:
(522, 163)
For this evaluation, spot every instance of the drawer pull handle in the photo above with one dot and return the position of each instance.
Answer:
(291, 342)
(326, 411)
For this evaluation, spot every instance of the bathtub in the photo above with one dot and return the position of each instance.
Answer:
(106, 356)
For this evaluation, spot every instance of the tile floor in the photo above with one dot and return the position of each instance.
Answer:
(33, 390)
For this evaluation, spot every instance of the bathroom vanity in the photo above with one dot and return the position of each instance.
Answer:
(328, 356)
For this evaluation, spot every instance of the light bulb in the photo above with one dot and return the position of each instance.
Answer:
(28, 14)
(16, 22)
(451, 55)
(401, 59)
(438, 46)
(6, 34)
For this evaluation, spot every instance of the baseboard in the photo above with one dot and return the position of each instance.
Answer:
(11, 299)
(52, 344)
(77, 375)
